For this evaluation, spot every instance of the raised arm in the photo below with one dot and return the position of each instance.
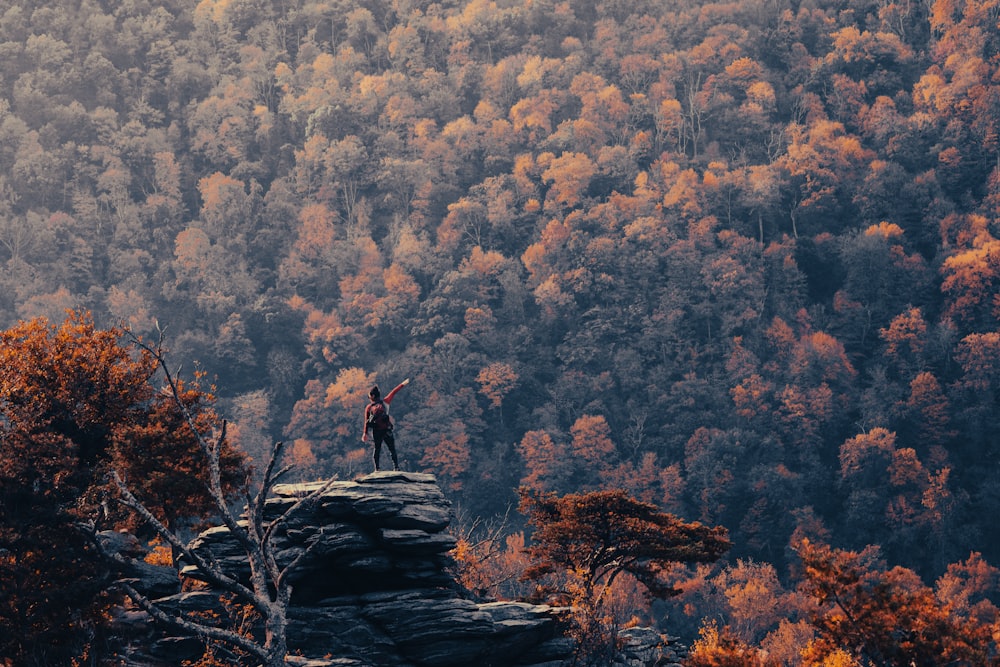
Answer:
(388, 397)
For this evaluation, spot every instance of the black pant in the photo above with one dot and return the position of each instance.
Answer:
(378, 437)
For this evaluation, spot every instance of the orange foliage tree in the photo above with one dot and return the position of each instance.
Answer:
(546, 462)
(717, 647)
(75, 404)
(886, 616)
(449, 455)
(496, 380)
(583, 543)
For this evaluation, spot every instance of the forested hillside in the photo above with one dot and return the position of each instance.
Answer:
(740, 259)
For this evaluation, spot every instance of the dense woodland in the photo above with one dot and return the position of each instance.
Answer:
(740, 259)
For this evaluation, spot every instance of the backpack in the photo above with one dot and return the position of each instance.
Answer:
(378, 417)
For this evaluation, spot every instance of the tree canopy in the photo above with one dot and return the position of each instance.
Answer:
(737, 259)
(77, 402)
(602, 534)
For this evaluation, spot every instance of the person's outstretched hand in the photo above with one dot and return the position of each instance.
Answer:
(406, 382)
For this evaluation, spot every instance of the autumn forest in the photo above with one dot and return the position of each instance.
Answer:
(738, 259)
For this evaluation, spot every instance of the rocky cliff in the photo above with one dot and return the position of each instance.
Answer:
(374, 589)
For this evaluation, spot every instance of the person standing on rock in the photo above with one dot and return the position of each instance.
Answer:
(378, 422)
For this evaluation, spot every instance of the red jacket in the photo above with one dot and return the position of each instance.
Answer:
(387, 399)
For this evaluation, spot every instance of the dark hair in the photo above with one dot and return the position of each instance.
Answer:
(374, 392)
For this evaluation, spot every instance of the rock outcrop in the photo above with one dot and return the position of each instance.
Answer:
(373, 589)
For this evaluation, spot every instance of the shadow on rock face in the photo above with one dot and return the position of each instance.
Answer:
(373, 587)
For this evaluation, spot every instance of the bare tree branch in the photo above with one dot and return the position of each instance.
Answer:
(193, 627)
(269, 591)
(177, 621)
(211, 571)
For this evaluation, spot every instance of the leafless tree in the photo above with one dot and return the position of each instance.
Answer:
(485, 569)
(268, 590)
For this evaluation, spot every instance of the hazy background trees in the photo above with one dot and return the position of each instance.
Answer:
(738, 259)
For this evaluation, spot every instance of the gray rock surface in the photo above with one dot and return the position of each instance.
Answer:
(373, 588)
(646, 646)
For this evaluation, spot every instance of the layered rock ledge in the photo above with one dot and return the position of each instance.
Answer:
(373, 589)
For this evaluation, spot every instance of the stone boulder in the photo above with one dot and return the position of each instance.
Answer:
(642, 647)
(372, 588)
